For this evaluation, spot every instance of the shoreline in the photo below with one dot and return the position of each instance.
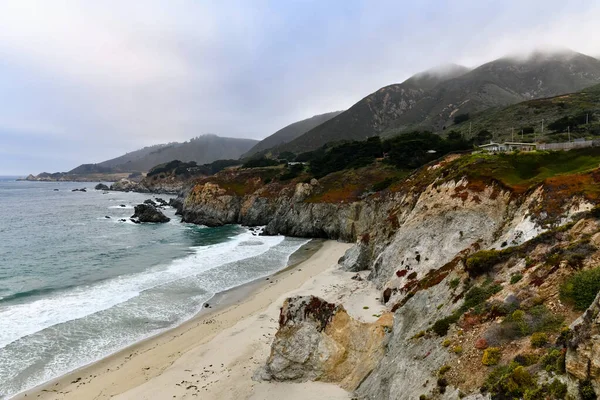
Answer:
(221, 303)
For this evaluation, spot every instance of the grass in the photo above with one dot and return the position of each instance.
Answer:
(521, 171)
(581, 289)
(349, 185)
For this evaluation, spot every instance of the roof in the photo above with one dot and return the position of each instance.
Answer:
(520, 144)
(490, 144)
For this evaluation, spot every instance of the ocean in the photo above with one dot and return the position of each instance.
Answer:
(76, 286)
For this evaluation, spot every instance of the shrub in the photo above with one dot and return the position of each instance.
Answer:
(292, 171)
(454, 283)
(483, 261)
(260, 163)
(539, 339)
(581, 289)
(384, 184)
(526, 359)
(515, 278)
(565, 336)
(557, 389)
(444, 369)
(441, 326)
(457, 349)
(446, 342)
(509, 381)
(586, 390)
(461, 118)
(477, 295)
(491, 356)
(554, 361)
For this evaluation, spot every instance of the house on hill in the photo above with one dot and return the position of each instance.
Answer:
(508, 146)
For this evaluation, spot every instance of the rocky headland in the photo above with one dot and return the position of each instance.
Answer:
(469, 254)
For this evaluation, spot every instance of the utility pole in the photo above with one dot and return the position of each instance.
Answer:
(521, 135)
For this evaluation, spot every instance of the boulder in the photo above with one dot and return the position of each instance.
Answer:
(101, 186)
(318, 340)
(125, 185)
(150, 202)
(356, 258)
(583, 352)
(148, 213)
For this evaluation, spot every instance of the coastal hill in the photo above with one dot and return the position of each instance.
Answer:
(434, 103)
(289, 133)
(202, 149)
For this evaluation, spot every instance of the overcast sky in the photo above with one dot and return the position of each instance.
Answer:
(84, 81)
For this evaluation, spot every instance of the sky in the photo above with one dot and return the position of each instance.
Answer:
(85, 81)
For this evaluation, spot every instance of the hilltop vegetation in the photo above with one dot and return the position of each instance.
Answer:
(579, 112)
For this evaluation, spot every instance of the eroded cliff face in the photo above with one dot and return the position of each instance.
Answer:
(416, 239)
(287, 212)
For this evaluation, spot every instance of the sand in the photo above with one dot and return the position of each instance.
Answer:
(214, 355)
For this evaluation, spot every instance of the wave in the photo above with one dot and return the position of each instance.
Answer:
(23, 319)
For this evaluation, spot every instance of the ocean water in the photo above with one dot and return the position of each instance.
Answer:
(76, 286)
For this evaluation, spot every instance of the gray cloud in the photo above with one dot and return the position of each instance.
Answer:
(85, 81)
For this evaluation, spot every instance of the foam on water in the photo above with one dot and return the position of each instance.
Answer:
(67, 329)
(24, 319)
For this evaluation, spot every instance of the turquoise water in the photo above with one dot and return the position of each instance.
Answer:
(76, 286)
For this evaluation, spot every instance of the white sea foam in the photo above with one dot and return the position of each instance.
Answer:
(20, 320)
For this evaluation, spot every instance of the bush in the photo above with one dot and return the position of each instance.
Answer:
(539, 339)
(384, 184)
(526, 359)
(554, 361)
(586, 390)
(509, 382)
(491, 356)
(515, 278)
(477, 295)
(581, 289)
(557, 389)
(457, 349)
(454, 283)
(441, 326)
(443, 370)
(483, 261)
(461, 118)
(292, 171)
(260, 162)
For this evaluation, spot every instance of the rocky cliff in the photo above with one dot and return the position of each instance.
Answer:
(468, 259)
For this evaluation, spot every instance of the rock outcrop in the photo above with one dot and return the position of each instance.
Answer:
(583, 354)
(148, 213)
(318, 340)
(101, 186)
(126, 185)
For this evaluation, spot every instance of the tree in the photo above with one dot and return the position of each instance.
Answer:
(454, 135)
(461, 118)
(483, 136)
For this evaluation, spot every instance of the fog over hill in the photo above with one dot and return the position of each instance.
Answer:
(430, 100)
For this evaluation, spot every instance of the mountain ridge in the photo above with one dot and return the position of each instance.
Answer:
(431, 104)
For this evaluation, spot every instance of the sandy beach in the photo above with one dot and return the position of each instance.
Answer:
(214, 355)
